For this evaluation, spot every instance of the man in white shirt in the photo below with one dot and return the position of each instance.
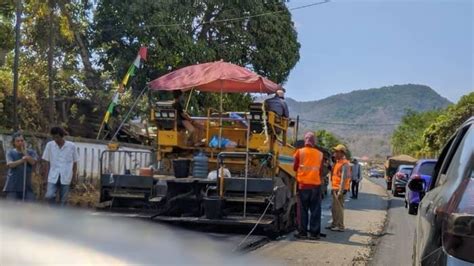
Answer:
(61, 161)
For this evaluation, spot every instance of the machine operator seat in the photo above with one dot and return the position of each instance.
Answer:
(256, 116)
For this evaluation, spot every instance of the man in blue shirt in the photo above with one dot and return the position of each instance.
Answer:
(278, 104)
(16, 187)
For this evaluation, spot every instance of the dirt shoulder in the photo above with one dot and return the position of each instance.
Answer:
(364, 219)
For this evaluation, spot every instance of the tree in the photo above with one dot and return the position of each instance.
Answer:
(444, 126)
(94, 43)
(33, 84)
(6, 29)
(77, 23)
(181, 33)
(427, 132)
(408, 136)
(327, 140)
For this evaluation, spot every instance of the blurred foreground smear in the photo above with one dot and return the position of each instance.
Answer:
(38, 234)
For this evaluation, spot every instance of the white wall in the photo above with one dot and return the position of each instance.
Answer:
(89, 152)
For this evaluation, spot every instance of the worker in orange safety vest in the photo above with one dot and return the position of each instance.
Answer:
(340, 182)
(307, 165)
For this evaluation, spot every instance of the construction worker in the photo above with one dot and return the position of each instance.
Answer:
(278, 104)
(307, 165)
(184, 120)
(340, 182)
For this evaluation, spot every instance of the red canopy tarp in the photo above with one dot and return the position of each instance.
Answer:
(216, 76)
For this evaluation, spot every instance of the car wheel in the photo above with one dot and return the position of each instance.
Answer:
(412, 208)
(394, 190)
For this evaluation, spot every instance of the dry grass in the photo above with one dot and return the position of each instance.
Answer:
(38, 184)
(84, 195)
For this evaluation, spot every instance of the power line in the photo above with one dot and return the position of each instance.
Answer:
(236, 18)
(348, 124)
(107, 29)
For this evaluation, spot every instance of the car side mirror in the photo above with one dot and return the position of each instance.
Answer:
(417, 185)
(459, 229)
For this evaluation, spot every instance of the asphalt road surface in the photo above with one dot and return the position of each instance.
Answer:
(364, 221)
(235, 237)
(395, 247)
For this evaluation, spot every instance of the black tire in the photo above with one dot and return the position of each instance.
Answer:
(412, 208)
(291, 222)
(394, 190)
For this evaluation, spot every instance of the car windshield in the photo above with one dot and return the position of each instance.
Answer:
(427, 168)
(406, 171)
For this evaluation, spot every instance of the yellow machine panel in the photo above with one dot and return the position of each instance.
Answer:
(171, 138)
(285, 157)
(257, 142)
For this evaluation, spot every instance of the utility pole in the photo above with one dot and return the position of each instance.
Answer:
(51, 105)
(15, 64)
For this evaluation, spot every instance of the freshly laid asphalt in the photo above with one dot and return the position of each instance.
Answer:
(366, 240)
(395, 247)
(364, 220)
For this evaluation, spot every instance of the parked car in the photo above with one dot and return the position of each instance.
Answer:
(400, 179)
(375, 173)
(444, 233)
(424, 170)
(392, 163)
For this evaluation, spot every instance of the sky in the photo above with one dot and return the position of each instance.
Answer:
(350, 45)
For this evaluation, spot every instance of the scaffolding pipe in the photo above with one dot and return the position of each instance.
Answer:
(246, 166)
(128, 113)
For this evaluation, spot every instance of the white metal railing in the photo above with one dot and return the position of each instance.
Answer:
(89, 152)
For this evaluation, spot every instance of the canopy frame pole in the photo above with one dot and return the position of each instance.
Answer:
(246, 166)
(297, 127)
(189, 100)
(220, 115)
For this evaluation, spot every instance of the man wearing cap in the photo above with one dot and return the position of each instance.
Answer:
(307, 165)
(278, 104)
(340, 181)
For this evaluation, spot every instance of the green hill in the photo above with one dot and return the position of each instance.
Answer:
(365, 119)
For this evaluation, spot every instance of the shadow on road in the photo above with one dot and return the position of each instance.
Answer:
(397, 203)
(365, 202)
(395, 246)
(348, 237)
(364, 206)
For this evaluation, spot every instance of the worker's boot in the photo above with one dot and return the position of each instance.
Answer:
(301, 235)
(314, 236)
